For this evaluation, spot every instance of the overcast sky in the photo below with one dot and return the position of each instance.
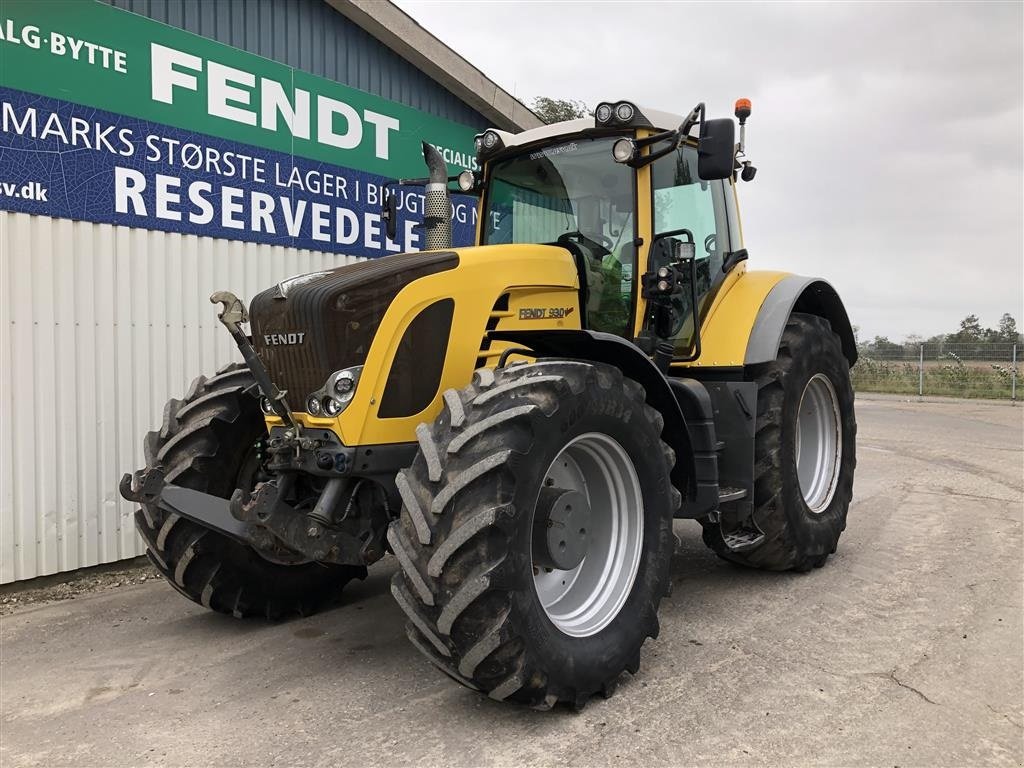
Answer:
(887, 136)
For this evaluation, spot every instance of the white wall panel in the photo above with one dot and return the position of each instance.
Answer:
(101, 325)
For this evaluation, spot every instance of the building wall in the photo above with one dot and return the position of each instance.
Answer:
(311, 36)
(102, 323)
(100, 327)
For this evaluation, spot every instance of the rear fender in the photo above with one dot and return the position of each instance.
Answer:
(796, 293)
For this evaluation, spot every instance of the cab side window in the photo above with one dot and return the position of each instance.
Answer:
(683, 201)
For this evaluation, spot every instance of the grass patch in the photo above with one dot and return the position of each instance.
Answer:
(949, 376)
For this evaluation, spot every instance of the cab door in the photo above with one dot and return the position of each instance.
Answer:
(685, 209)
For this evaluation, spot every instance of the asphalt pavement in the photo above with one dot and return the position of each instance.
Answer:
(906, 649)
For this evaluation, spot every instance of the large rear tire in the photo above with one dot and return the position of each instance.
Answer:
(480, 606)
(208, 443)
(804, 451)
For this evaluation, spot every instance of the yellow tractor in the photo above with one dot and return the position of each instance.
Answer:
(520, 422)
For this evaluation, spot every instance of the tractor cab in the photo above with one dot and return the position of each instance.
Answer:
(647, 210)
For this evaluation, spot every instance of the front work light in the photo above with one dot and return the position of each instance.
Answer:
(313, 407)
(488, 142)
(467, 181)
(624, 150)
(619, 113)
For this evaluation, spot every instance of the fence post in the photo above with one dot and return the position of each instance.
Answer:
(920, 373)
(1013, 377)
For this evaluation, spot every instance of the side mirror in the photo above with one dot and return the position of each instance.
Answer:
(389, 213)
(716, 150)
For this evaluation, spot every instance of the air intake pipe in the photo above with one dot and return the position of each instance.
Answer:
(437, 220)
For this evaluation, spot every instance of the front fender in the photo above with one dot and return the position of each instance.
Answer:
(628, 358)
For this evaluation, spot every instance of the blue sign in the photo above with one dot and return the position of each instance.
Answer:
(69, 161)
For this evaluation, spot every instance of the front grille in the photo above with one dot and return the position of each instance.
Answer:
(337, 313)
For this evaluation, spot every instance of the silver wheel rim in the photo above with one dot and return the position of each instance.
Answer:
(819, 443)
(583, 601)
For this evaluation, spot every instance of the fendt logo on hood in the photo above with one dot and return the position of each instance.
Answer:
(283, 339)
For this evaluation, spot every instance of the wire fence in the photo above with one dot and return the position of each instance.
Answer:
(986, 370)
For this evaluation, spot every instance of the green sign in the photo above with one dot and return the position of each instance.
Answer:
(90, 53)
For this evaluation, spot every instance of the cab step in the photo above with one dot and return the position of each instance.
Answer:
(731, 494)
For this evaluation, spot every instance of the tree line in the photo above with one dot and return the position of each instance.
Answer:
(969, 339)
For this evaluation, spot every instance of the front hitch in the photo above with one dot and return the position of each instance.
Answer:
(149, 486)
(307, 534)
(261, 520)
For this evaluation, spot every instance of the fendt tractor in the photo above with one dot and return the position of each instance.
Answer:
(520, 422)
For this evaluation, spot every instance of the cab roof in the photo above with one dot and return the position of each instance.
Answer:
(643, 118)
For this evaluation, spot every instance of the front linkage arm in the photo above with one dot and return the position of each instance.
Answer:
(232, 316)
(264, 521)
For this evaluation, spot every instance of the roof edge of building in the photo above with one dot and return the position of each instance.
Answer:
(402, 34)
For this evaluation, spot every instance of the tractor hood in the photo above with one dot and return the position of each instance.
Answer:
(310, 326)
(416, 323)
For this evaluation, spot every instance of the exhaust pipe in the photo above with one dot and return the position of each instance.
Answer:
(437, 221)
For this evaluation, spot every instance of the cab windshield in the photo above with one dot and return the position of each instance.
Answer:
(574, 195)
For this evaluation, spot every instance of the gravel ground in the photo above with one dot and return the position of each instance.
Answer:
(906, 649)
(68, 586)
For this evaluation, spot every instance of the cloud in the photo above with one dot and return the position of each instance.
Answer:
(888, 136)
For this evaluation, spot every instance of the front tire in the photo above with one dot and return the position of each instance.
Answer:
(804, 451)
(480, 607)
(207, 443)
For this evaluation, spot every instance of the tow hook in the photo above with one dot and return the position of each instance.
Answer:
(144, 486)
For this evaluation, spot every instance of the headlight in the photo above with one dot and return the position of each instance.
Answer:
(334, 396)
(467, 180)
(603, 113)
(624, 111)
(478, 144)
(623, 150)
(345, 384)
(267, 406)
(490, 140)
(313, 407)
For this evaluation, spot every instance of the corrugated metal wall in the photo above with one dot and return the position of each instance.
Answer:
(313, 37)
(101, 325)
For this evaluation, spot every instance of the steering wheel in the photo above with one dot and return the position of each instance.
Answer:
(709, 243)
